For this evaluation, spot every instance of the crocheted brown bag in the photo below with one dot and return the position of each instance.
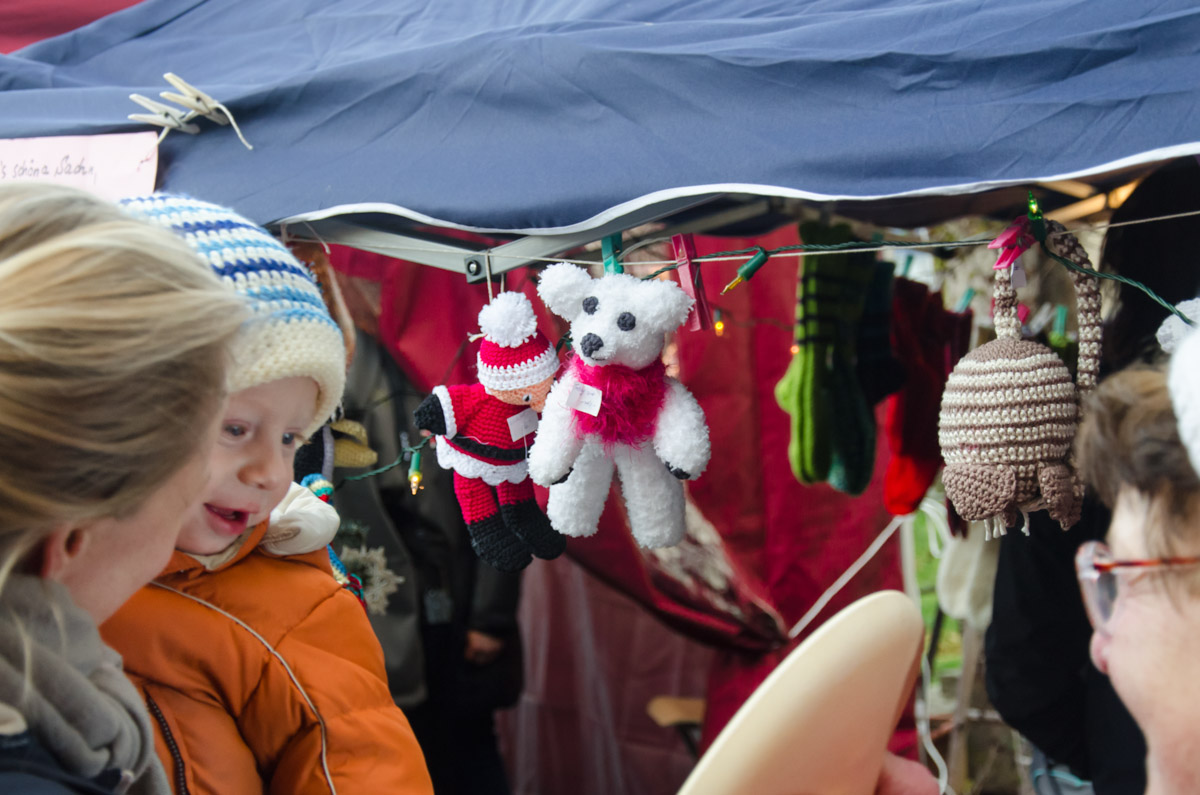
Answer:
(1010, 411)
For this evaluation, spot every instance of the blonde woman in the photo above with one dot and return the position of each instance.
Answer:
(113, 340)
(1139, 447)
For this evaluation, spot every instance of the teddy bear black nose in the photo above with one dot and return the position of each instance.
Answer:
(590, 344)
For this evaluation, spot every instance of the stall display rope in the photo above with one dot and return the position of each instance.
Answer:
(797, 250)
(756, 257)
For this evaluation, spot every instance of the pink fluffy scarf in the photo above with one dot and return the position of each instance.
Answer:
(631, 401)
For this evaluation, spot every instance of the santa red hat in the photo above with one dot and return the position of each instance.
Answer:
(513, 354)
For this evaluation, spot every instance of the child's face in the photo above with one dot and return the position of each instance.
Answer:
(251, 462)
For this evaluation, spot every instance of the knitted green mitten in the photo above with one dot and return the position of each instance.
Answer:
(803, 391)
(832, 432)
(787, 395)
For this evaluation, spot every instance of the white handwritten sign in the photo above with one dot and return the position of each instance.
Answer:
(522, 424)
(585, 398)
(112, 166)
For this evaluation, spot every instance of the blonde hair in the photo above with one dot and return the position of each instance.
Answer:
(113, 345)
(1129, 439)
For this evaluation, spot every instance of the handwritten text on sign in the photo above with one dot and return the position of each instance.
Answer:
(113, 166)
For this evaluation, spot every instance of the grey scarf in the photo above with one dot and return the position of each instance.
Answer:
(77, 701)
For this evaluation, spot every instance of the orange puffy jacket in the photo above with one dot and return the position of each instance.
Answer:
(263, 675)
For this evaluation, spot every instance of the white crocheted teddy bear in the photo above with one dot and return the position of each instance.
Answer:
(616, 407)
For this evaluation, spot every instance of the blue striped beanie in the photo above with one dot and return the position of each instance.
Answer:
(290, 332)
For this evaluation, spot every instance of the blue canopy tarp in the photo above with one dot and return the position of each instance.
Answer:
(559, 115)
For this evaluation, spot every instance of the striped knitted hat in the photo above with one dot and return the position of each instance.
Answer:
(513, 354)
(290, 332)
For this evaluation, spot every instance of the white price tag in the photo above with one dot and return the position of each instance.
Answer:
(523, 424)
(1041, 319)
(585, 398)
(1018, 276)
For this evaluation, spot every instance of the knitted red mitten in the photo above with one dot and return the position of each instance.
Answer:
(918, 324)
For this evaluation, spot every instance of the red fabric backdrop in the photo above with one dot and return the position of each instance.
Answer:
(795, 540)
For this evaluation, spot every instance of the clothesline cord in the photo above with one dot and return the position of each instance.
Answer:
(721, 257)
(800, 250)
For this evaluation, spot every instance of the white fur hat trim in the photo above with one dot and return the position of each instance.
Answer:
(518, 376)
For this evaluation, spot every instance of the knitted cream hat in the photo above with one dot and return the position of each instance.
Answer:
(513, 354)
(1010, 411)
(290, 332)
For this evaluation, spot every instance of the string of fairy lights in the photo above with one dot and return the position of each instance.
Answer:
(756, 257)
(752, 256)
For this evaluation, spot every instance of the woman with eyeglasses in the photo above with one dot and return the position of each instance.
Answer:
(1142, 586)
(1038, 673)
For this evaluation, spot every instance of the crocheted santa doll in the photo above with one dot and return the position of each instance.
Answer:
(484, 432)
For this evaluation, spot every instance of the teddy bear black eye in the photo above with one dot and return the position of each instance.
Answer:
(590, 304)
(626, 321)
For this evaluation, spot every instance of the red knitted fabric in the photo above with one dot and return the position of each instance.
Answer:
(913, 411)
(475, 498)
(631, 402)
(929, 341)
(513, 493)
(478, 500)
(481, 417)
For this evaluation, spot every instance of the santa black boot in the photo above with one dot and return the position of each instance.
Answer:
(526, 520)
(497, 545)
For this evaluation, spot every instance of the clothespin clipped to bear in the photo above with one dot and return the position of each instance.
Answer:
(611, 248)
(700, 318)
(197, 103)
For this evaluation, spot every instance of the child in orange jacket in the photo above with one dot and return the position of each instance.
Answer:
(260, 671)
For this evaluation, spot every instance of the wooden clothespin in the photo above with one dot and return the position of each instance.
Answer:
(700, 318)
(197, 103)
(164, 116)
